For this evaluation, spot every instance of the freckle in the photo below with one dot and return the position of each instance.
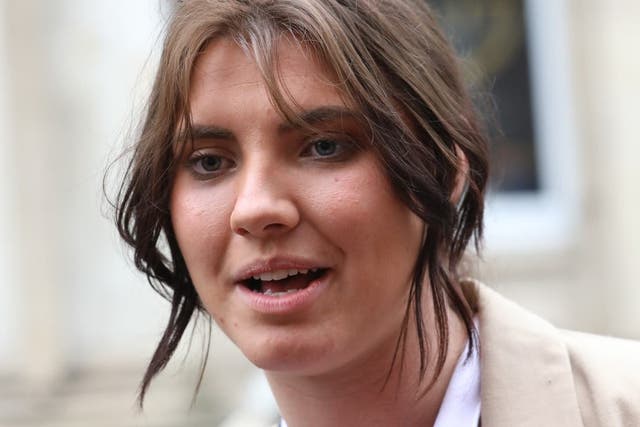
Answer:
(221, 320)
(336, 179)
(235, 324)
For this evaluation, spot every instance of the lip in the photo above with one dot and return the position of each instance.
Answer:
(284, 304)
(259, 267)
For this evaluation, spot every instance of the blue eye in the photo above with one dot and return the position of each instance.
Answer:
(325, 147)
(330, 148)
(205, 165)
(209, 163)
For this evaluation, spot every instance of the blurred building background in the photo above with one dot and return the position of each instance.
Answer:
(78, 324)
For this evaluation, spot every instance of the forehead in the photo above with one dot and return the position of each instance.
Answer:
(226, 77)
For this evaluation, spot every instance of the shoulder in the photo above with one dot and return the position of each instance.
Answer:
(554, 376)
(606, 376)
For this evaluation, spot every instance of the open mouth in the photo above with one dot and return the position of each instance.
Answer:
(283, 282)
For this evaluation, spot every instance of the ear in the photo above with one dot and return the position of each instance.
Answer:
(462, 179)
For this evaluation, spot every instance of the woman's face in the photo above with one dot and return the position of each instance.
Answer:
(294, 240)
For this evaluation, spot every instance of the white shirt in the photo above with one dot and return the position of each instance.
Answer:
(461, 404)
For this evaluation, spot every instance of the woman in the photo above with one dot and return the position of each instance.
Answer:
(317, 170)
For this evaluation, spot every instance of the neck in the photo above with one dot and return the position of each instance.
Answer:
(371, 390)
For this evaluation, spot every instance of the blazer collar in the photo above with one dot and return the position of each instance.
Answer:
(526, 377)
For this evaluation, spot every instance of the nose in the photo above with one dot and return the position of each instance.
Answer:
(264, 205)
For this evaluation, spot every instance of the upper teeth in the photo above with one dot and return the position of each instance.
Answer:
(281, 274)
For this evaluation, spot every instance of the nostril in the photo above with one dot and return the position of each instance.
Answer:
(269, 228)
(261, 217)
(274, 227)
(241, 231)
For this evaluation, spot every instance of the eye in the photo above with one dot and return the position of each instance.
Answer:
(206, 165)
(210, 163)
(325, 147)
(328, 149)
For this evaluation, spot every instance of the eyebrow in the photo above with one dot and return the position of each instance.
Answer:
(320, 115)
(307, 118)
(208, 132)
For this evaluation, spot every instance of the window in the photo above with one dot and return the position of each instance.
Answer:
(518, 51)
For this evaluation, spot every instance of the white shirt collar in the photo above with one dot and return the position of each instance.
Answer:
(461, 403)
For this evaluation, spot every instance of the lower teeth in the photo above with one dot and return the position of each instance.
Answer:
(277, 294)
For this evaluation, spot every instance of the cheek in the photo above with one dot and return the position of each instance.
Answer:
(200, 220)
(361, 203)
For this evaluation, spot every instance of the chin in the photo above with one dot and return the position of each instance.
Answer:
(288, 356)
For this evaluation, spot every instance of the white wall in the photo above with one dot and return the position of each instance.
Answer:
(608, 58)
(101, 50)
(8, 290)
(70, 78)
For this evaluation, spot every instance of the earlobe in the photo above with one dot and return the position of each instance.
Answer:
(462, 179)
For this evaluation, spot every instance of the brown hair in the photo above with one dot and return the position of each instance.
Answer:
(395, 65)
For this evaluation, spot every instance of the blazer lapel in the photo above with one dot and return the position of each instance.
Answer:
(526, 377)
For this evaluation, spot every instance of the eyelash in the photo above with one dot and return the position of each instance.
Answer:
(195, 164)
(343, 150)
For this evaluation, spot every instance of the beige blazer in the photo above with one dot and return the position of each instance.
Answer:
(533, 374)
